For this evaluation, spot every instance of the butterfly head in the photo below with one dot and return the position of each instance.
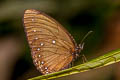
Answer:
(79, 47)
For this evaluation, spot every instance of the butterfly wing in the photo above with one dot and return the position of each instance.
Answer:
(51, 45)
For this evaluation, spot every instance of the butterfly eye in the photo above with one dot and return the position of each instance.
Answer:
(52, 46)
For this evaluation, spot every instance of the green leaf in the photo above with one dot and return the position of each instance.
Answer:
(107, 59)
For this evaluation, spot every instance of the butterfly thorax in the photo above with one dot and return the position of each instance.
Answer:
(78, 50)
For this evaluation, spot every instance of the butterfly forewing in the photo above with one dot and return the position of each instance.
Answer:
(51, 45)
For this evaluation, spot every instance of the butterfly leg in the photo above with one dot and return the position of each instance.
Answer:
(84, 58)
(71, 64)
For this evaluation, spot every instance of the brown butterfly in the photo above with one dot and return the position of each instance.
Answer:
(52, 47)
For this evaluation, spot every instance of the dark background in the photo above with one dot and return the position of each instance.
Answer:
(78, 17)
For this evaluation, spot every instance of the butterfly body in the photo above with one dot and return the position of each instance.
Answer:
(52, 47)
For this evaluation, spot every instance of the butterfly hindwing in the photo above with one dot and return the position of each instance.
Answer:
(51, 45)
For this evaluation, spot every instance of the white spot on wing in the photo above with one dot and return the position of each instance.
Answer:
(39, 55)
(53, 41)
(34, 30)
(36, 38)
(42, 62)
(41, 44)
(38, 49)
(32, 19)
(46, 68)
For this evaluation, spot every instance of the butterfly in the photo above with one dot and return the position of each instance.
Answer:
(52, 46)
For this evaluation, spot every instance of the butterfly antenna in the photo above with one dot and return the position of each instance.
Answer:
(85, 37)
